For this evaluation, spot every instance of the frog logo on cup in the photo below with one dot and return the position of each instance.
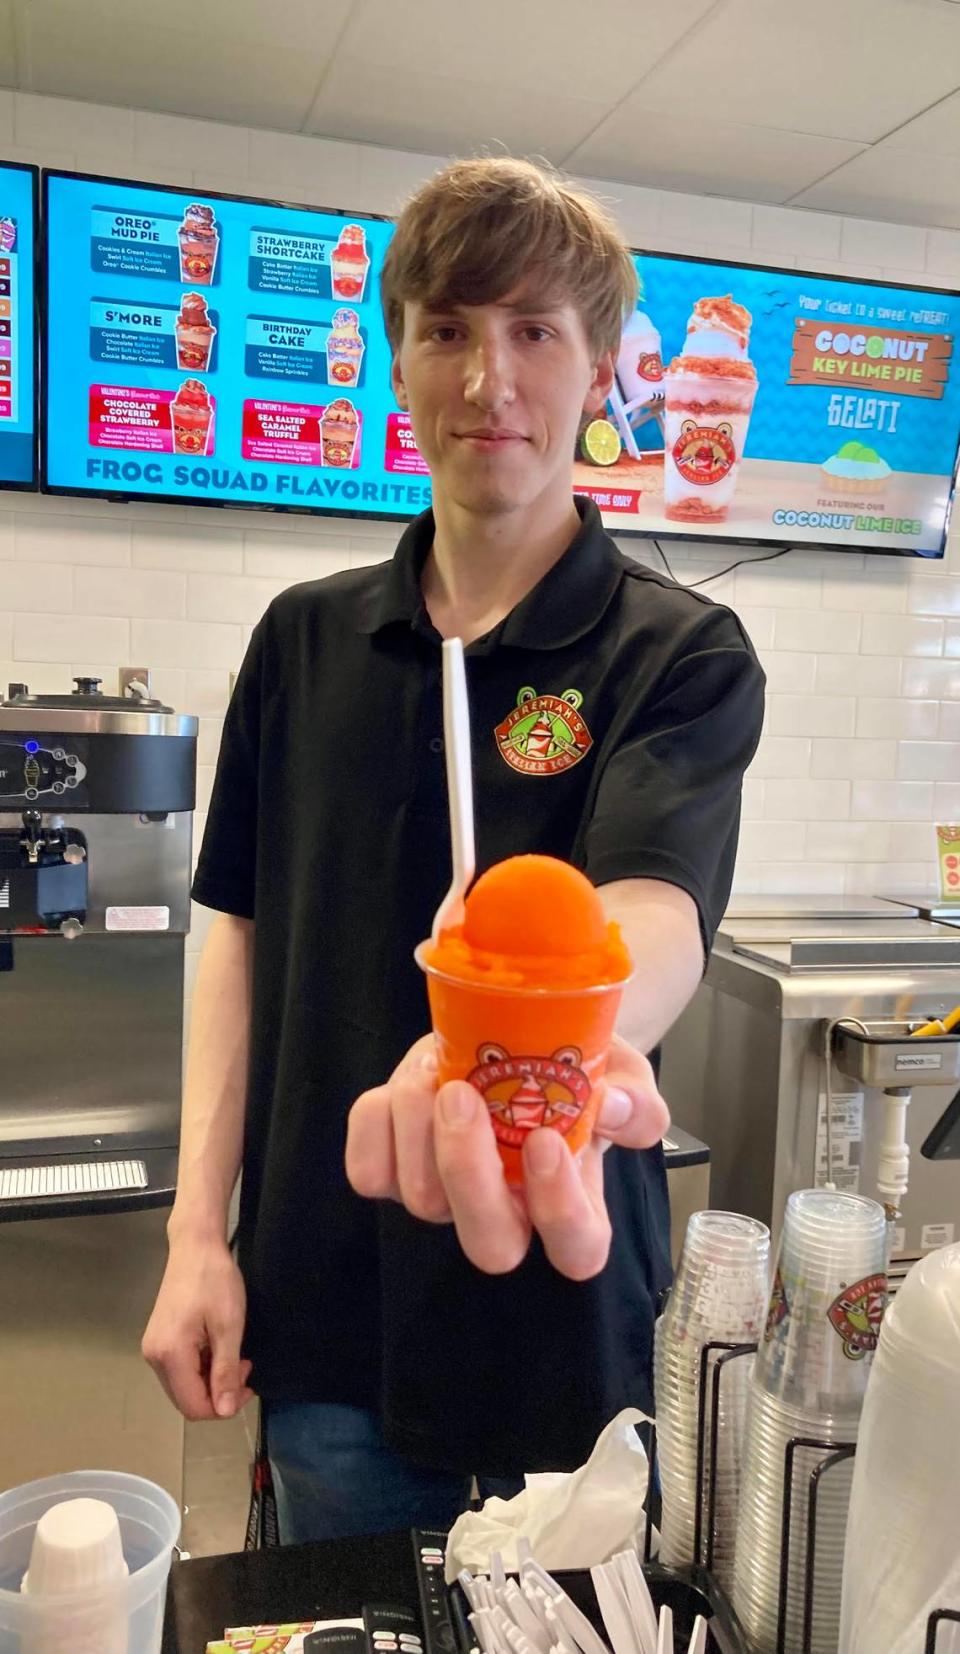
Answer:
(524, 1093)
(856, 1314)
(650, 367)
(704, 454)
(544, 734)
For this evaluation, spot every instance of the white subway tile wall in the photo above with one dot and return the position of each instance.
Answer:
(861, 745)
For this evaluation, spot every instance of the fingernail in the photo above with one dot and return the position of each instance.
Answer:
(458, 1104)
(429, 1061)
(543, 1153)
(617, 1108)
(226, 1404)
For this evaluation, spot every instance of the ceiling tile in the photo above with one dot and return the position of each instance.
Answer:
(8, 47)
(311, 28)
(417, 110)
(599, 52)
(81, 55)
(936, 132)
(845, 71)
(716, 157)
(895, 184)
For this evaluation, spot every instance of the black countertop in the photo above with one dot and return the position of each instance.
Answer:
(331, 1580)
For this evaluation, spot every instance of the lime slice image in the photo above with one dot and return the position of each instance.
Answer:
(600, 443)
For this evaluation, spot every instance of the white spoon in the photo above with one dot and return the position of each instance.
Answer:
(456, 736)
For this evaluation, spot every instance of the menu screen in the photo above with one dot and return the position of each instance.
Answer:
(18, 417)
(216, 350)
(769, 405)
(221, 351)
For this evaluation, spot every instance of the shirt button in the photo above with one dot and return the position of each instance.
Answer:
(436, 745)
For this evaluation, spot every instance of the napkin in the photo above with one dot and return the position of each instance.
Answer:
(572, 1520)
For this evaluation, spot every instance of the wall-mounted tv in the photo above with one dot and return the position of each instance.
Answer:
(768, 405)
(210, 350)
(19, 190)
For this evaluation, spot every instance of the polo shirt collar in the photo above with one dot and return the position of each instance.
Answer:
(567, 603)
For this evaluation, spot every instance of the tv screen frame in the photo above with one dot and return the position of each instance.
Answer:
(134, 496)
(23, 486)
(615, 526)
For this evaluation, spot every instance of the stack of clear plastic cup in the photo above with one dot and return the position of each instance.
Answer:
(719, 1295)
(809, 1379)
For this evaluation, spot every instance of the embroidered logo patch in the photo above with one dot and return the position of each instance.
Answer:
(544, 734)
(856, 1315)
(524, 1093)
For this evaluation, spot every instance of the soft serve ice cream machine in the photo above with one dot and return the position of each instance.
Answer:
(96, 802)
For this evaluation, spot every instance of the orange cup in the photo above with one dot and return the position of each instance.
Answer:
(536, 1055)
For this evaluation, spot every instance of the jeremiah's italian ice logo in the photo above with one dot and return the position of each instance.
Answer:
(650, 367)
(544, 734)
(704, 454)
(524, 1093)
(856, 1314)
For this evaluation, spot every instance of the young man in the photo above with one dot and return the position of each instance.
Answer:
(407, 1322)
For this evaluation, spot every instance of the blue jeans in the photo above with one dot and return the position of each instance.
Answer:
(334, 1477)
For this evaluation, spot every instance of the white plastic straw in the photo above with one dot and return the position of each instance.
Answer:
(698, 1636)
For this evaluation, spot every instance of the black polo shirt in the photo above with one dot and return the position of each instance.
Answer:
(613, 714)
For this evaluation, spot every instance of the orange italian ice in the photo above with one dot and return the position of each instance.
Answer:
(533, 922)
(524, 996)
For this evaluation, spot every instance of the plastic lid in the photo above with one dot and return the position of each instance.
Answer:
(924, 1316)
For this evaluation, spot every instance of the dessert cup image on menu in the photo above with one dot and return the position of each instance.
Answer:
(339, 425)
(639, 360)
(195, 334)
(344, 349)
(710, 391)
(349, 263)
(192, 414)
(199, 240)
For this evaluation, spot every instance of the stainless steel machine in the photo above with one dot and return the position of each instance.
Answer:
(96, 802)
(745, 1066)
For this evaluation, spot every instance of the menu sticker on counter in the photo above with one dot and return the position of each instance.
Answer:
(948, 859)
(214, 349)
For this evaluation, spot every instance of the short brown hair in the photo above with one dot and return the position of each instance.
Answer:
(479, 227)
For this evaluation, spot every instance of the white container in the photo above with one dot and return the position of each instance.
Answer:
(124, 1616)
(903, 1540)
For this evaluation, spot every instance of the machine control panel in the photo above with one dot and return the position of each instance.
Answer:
(30, 771)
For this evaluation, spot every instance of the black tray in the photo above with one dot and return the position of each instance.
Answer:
(688, 1591)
